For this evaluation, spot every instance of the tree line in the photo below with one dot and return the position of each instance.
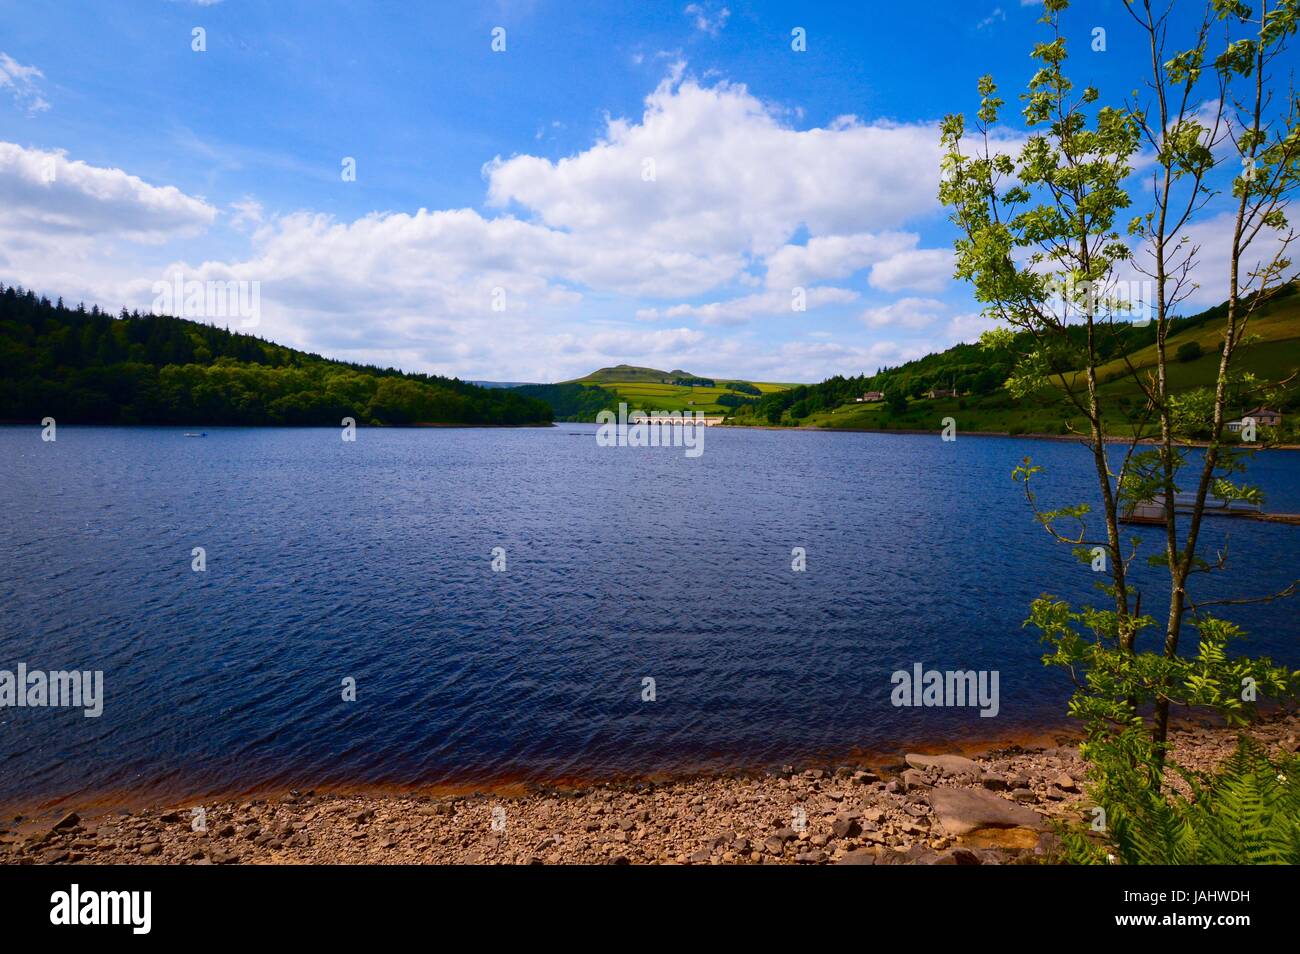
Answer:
(87, 366)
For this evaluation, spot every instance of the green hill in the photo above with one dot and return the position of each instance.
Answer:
(623, 373)
(648, 389)
(88, 367)
(1271, 354)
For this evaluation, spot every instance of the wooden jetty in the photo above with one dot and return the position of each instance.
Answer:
(1153, 513)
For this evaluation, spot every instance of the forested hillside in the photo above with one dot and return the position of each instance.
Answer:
(86, 366)
(1267, 365)
(572, 401)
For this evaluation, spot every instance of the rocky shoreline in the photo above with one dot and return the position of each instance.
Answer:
(927, 809)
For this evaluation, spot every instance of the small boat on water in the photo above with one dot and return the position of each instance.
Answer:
(196, 434)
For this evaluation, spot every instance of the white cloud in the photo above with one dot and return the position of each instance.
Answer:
(922, 269)
(247, 211)
(737, 311)
(814, 361)
(730, 179)
(44, 193)
(82, 231)
(732, 184)
(896, 263)
(833, 256)
(21, 82)
(905, 313)
(1211, 237)
(705, 22)
(576, 246)
(967, 327)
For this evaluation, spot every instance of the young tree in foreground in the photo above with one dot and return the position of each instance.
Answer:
(1040, 241)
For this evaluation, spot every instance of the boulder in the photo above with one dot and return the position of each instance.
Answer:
(844, 827)
(1065, 783)
(958, 856)
(953, 765)
(859, 856)
(914, 779)
(961, 810)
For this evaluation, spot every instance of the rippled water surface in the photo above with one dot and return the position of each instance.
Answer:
(372, 560)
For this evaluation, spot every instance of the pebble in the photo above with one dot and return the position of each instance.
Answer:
(854, 815)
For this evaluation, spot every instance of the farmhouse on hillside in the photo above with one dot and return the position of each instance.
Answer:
(1263, 416)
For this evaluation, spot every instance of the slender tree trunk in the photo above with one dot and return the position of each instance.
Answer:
(1181, 570)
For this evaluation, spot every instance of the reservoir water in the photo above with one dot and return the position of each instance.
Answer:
(372, 561)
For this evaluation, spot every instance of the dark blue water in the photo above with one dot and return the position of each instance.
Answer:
(372, 560)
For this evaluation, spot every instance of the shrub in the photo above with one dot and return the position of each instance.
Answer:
(1247, 813)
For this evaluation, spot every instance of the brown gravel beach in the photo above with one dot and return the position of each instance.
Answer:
(926, 809)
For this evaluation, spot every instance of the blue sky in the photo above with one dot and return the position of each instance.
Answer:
(516, 180)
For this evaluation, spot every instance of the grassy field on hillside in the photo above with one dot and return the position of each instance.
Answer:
(650, 389)
(1272, 354)
(767, 387)
(671, 397)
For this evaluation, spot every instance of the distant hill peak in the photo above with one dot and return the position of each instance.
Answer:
(630, 373)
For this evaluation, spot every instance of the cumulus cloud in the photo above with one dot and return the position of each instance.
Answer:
(547, 282)
(732, 185)
(814, 361)
(921, 269)
(833, 256)
(895, 262)
(905, 313)
(738, 311)
(943, 326)
(22, 84)
(45, 193)
(714, 172)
